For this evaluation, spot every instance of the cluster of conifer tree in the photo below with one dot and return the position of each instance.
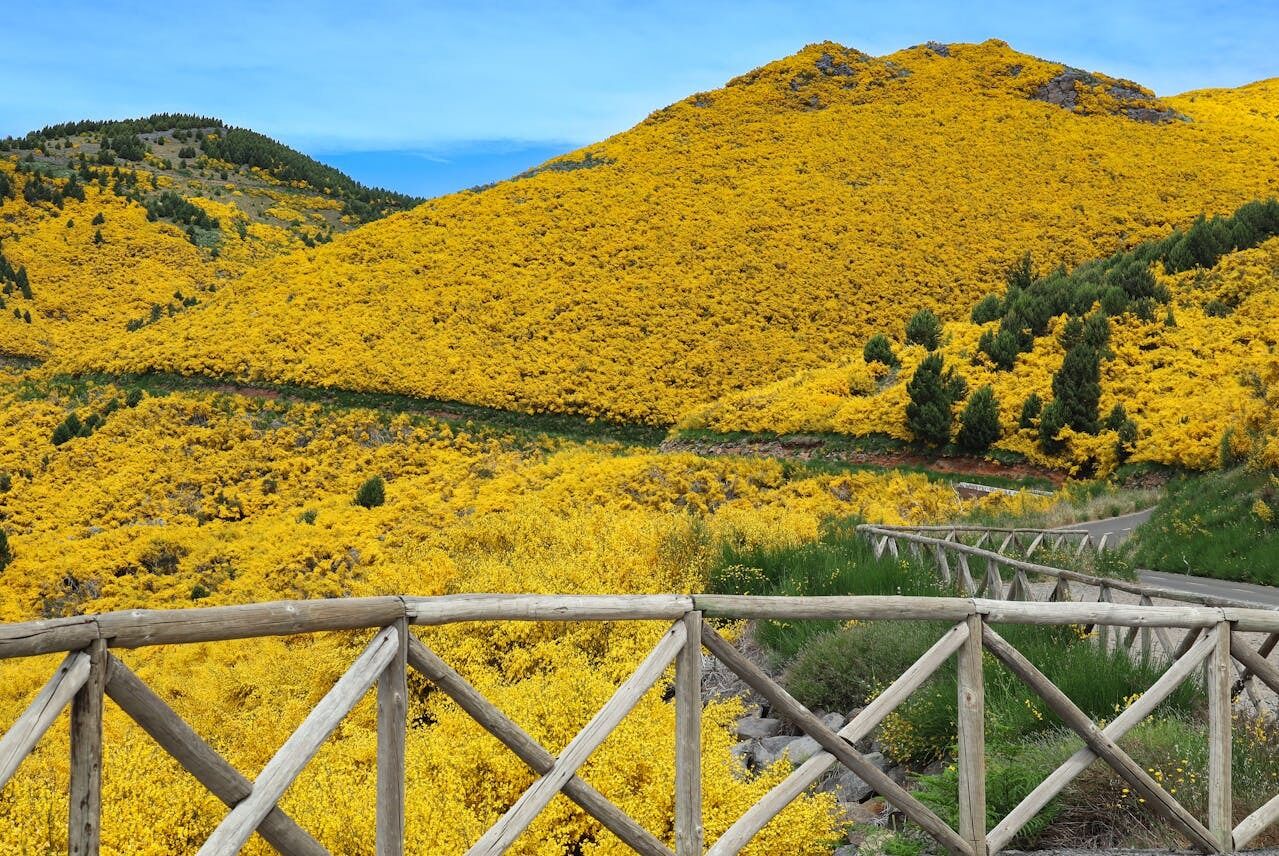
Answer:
(1121, 283)
(1090, 296)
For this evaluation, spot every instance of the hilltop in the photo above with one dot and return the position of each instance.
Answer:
(114, 225)
(735, 237)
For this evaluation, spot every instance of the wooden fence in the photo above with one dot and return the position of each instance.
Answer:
(956, 550)
(90, 674)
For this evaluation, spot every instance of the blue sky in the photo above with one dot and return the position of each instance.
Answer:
(429, 96)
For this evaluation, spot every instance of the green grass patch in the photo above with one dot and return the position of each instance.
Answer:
(839, 562)
(1222, 524)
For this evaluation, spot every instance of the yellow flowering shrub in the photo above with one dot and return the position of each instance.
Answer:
(732, 239)
(214, 499)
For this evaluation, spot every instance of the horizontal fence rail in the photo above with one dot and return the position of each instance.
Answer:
(1213, 642)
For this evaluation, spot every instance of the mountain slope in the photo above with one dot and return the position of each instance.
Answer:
(734, 237)
(1198, 377)
(118, 224)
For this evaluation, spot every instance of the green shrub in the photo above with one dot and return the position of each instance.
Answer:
(933, 393)
(1030, 410)
(979, 421)
(844, 669)
(1077, 388)
(879, 350)
(372, 493)
(924, 328)
(1002, 347)
(988, 309)
(6, 552)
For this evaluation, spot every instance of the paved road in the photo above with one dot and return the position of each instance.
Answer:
(1120, 528)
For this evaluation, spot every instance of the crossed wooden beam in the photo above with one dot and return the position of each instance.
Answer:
(254, 804)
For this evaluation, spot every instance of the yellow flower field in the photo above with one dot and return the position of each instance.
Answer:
(209, 498)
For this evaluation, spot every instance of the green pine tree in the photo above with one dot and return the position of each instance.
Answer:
(979, 421)
(932, 394)
(879, 350)
(924, 328)
(1077, 388)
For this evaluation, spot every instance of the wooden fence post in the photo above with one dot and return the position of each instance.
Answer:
(972, 740)
(1221, 677)
(688, 740)
(85, 813)
(392, 723)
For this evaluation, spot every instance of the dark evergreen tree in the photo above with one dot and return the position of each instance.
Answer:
(878, 350)
(1077, 388)
(1072, 333)
(6, 552)
(1001, 347)
(933, 391)
(1051, 421)
(979, 421)
(989, 308)
(1096, 332)
(1030, 409)
(924, 328)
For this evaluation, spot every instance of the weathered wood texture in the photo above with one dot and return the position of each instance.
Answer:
(301, 746)
(505, 607)
(55, 695)
(198, 758)
(84, 816)
(972, 740)
(392, 725)
(688, 739)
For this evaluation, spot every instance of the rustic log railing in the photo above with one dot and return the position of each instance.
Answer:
(953, 550)
(91, 673)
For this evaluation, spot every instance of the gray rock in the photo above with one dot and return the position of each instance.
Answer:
(834, 721)
(878, 759)
(769, 749)
(847, 786)
(758, 727)
(801, 749)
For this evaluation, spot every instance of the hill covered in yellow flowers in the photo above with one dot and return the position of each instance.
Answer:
(114, 225)
(735, 237)
(1196, 373)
